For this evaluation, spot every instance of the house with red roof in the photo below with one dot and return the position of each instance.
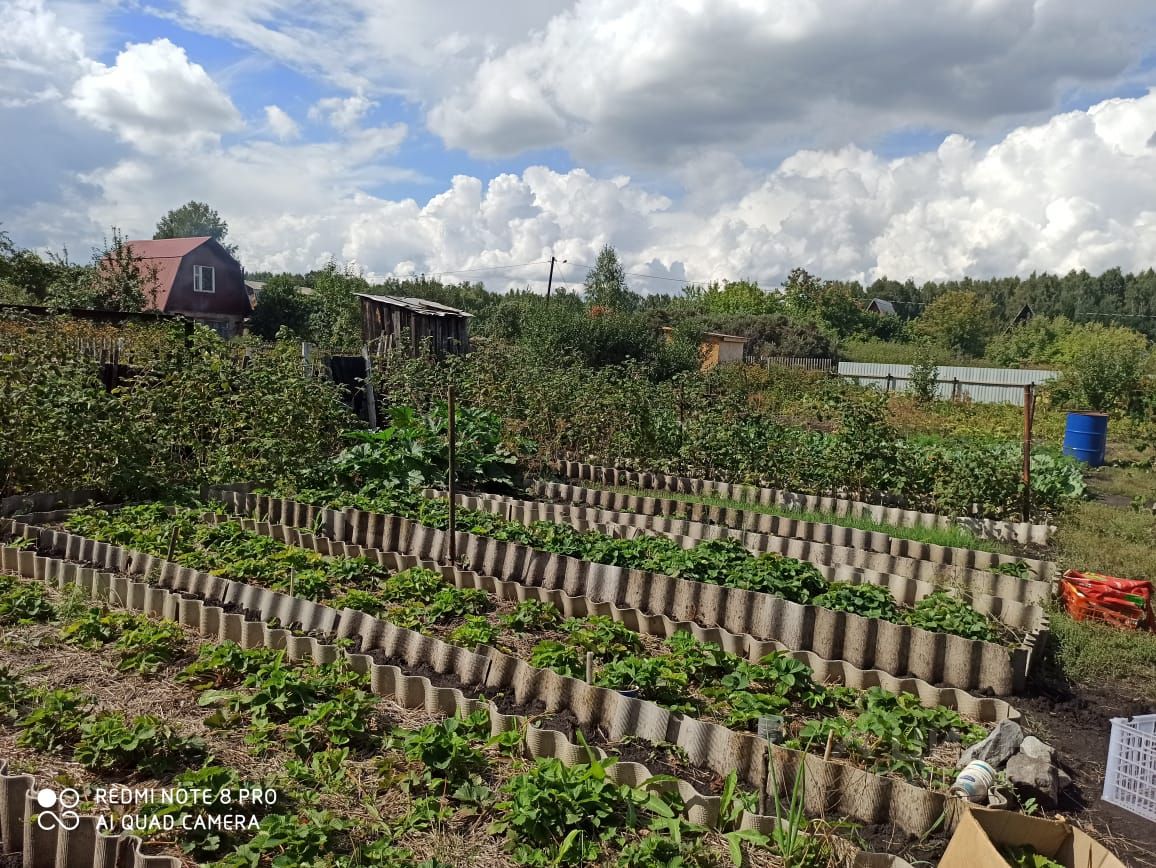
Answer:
(196, 278)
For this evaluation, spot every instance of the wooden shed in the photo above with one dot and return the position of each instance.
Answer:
(716, 348)
(393, 322)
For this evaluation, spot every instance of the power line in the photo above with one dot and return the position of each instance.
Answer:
(486, 268)
(639, 274)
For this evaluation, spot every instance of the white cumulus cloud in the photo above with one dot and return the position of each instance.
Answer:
(154, 97)
(281, 123)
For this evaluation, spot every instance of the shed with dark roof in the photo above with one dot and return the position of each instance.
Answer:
(413, 324)
(881, 306)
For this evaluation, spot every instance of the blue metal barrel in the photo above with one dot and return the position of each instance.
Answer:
(1086, 437)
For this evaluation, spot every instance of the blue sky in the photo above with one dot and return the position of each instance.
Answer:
(856, 138)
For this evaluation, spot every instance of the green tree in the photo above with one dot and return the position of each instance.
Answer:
(737, 298)
(281, 305)
(835, 304)
(117, 279)
(959, 320)
(605, 284)
(1102, 366)
(924, 374)
(194, 220)
(335, 320)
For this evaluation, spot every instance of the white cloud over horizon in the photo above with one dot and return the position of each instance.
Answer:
(1058, 190)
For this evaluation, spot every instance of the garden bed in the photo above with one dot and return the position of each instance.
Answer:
(921, 560)
(418, 693)
(864, 642)
(1020, 533)
(478, 610)
(837, 562)
(831, 787)
(321, 766)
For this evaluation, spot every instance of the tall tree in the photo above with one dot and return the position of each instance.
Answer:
(605, 284)
(193, 220)
(958, 319)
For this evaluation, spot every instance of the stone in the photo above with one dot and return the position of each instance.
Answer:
(1039, 777)
(998, 747)
(1036, 749)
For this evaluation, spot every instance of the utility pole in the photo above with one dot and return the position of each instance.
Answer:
(550, 279)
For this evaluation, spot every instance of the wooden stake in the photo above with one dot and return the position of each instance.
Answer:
(451, 540)
(370, 399)
(830, 744)
(173, 542)
(589, 667)
(1029, 419)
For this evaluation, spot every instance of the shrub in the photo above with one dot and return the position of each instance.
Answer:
(1102, 366)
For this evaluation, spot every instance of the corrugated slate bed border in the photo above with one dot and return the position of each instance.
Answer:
(864, 642)
(907, 579)
(415, 691)
(1023, 533)
(880, 551)
(82, 847)
(832, 787)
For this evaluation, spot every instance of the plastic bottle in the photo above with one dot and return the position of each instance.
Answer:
(974, 781)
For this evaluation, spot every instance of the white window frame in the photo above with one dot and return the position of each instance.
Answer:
(199, 278)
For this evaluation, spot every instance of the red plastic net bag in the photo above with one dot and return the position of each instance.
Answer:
(1120, 602)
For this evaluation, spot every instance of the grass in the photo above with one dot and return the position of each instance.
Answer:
(952, 537)
(1093, 654)
(1107, 539)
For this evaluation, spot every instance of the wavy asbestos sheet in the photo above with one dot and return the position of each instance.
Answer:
(906, 578)
(45, 500)
(608, 710)
(863, 642)
(984, 709)
(81, 847)
(1023, 533)
(927, 561)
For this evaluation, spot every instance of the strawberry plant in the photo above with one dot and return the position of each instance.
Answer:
(25, 604)
(146, 744)
(603, 636)
(96, 627)
(560, 657)
(446, 751)
(13, 695)
(558, 814)
(870, 601)
(532, 616)
(54, 720)
(474, 632)
(148, 646)
(940, 612)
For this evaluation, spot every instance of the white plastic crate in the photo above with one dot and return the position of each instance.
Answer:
(1130, 778)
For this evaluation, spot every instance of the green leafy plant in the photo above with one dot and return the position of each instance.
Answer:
(1027, 857)
(532, 616)
(54, 720)
(942, 613)
(145, 744)
(148, 646)
(559, 814)
(474, 632)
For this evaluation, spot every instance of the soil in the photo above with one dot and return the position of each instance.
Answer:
(1076, 720)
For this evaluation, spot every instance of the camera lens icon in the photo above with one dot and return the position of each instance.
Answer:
(64, 817)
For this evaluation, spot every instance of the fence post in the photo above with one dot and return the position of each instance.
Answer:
(1029, 419)
(370, 398)
(451, 539)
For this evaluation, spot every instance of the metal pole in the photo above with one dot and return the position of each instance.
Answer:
(550, 279)
(451, 540)
(1029, 418)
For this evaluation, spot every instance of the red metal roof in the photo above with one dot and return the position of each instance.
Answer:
(165, 255)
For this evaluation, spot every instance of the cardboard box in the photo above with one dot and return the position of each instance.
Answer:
(982, 832)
